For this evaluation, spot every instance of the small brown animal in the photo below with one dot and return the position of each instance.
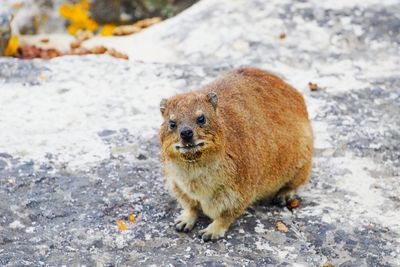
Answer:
(242, 138)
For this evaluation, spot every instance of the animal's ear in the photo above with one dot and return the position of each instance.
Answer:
(162, 105)
(213, 98)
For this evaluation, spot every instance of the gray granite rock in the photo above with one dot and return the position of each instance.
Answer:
(79, 147)
(5, 30)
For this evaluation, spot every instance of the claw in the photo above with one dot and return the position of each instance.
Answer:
(212, 233)
(185, 222)
(183, 227)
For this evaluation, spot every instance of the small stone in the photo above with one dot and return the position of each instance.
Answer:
(141, 157)
(16, 225)
(120, 242)
(30, 229)
(281, 227)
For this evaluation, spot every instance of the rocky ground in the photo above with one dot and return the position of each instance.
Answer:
(79, 148)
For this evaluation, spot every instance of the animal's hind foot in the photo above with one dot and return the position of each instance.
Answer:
(283, 197)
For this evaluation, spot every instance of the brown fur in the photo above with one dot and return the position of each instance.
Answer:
(258, 144)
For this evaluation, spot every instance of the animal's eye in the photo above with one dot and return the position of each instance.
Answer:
(201, 120)
(172, 125)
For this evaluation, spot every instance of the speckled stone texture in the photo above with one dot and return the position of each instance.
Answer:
(5, 30)
(79, 147)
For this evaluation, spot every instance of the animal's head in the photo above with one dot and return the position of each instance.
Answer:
(191, 130)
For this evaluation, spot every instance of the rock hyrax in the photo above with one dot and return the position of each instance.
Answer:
(242, 138)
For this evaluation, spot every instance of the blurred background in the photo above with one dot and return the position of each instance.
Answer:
(26, 24)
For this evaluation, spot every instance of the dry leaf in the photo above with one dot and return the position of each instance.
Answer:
(121, 225)
(137, 27)
(281, 227)
(31, 51)
(75, 44)
(126, 30)
(313, 86)
(327, 264)
(144, 23)
(83, 35)
(282, 35)
(114, 53)
(98, 50)
(294, 203)
(79, 51)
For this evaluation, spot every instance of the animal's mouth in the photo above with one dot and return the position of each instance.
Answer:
(189, 146)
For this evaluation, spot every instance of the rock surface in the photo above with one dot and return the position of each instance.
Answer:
(5, 30)
(79, 149)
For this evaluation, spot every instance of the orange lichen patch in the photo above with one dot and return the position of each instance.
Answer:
(121, 225)
(293, 204)
(12, 46)
(132, 218)
(108, 29)
(78, 16)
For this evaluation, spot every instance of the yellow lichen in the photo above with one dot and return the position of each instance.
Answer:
(78, 16)
(132, 218)
(108, 29)
(121, 225)
(85, 4)
(12, 46)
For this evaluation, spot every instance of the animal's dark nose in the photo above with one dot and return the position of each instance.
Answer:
(186, 133)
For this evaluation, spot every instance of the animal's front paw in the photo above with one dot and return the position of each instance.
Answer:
(213, 232)
(185, 222)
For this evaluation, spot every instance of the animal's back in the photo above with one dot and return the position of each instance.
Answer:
(268, 133)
